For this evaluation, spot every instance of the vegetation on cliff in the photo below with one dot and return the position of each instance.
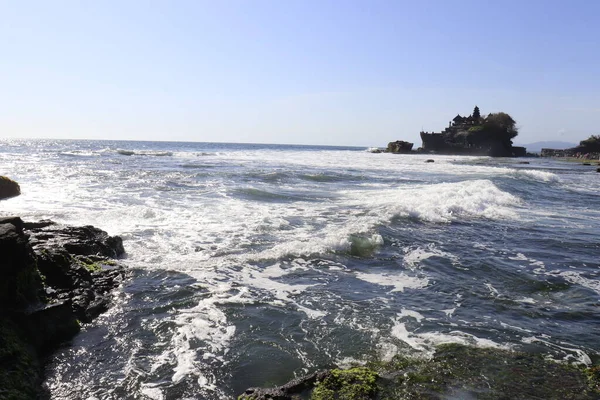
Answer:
(495, 127)
(591, 144)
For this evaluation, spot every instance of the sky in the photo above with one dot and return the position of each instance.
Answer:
(323, 72)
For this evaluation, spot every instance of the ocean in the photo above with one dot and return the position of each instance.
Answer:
(253, 264)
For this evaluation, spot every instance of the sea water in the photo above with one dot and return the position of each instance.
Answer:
(253, 264)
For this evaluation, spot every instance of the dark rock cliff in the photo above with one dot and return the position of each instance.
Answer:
(53, 278)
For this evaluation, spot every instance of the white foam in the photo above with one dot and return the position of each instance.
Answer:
(426, 341)
(264, 279)
(444, 202)
(573, 354)
(399, 281)
(202, 329)
(411, 313)
(493, 291)
(577, 278)
(151, 391)
(414, 255)
(449, 312)
(526, 300)
(543, 176)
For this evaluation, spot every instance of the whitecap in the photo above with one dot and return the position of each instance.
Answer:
(398, 281)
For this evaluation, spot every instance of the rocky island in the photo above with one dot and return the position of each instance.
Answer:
(473, 135)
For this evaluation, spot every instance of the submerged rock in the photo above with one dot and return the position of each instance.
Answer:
(296, 387)
(455, 371)
(8, 188)
(53, 277)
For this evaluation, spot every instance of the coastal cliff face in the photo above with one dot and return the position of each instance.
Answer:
(53, 278)
(459, 145)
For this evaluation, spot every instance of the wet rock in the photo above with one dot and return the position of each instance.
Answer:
(8, 188)
(19, 278)
(49, 325)
(84, 240)
(429, 161)
(289, 391)
(52, 277)
(399, 146)
(455, 371)
(77, 263)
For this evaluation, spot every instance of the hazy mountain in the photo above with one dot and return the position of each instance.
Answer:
(550, 144)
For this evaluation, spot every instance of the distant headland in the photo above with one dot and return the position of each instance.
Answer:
(587, 149)
(489, 135)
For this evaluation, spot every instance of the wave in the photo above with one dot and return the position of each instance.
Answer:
(197, 166)
(267, 177)
(352, 220)
(270, 196)
(124, 152)
(445, 202)
(537, 175)
(322, 177)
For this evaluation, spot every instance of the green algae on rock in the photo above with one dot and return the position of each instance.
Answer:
(455, 371)
(346, 384)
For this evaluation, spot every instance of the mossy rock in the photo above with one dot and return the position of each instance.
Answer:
(455, 371)
(346, 384)
(459, 371)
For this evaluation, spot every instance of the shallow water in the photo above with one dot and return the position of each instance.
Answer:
(253, 264)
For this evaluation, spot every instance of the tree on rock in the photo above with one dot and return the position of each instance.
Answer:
(476, 113)
(494, 134)
(591, 144)
(501, 125)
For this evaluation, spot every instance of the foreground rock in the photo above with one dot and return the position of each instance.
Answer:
(53, 278)
(8, 188)
(455, 371)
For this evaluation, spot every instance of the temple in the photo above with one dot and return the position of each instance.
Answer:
(469, 135)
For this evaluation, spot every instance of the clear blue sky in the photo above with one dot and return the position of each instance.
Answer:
(283, 71)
